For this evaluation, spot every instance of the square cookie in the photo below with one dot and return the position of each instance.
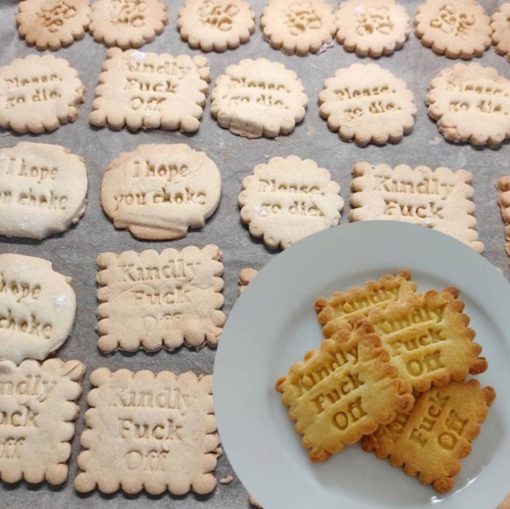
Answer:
(37, 410)
(148, 431)
(431, 440)
(441, 199)
(149, 300)
(151, 91)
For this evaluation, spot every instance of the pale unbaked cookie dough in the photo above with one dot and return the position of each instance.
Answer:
(500, 24)
(160, 191)
(367, 104)
(471, 103)
(257, 98)
(127, 23)
(298, 26)
(285, 200)
(371, 27)
(52, 24)
(38, 94)
(216, 25)
(44, 190)
(456, 29)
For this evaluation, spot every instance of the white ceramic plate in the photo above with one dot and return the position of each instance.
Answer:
(273, 324)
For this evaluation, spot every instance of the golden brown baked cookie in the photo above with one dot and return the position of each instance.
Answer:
(430, 441)
(343, 391)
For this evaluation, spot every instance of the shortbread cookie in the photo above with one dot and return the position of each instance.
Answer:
(37, 405)
(37, 308)
(150, 299)
(356, 302)
(367, 104)
(456, 28)
(285, 200)
(43, 190)
(503, 186)
(500, 24)
(440, 199)
(427, 338)
(127, 23)
(216, 25)
(147, 431)
(431, 440)
(52, 24)
(158, 192)
(38, 93)
(471, 104)
(343, 391)
(257, 98)
(371, 27)
(246, 276)
(297, 26)
(150, 91)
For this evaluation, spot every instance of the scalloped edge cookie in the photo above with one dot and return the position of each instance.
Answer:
(62, 34)
(122, 327)
(107, 32)
(101, 467)
(54, 411)
(210, 30)
(283, 25)
(356, 32)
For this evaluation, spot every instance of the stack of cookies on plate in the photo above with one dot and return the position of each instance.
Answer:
(392, 373)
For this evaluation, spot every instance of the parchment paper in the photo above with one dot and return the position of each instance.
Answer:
(74, 252)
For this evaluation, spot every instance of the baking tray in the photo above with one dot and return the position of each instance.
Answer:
(74, 252)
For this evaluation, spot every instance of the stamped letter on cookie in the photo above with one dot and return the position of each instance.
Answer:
(127, 23)
(37, 308)
(150, 299)
(371, 27)
(503, 187)
(51, 24)
(148, 431)
(356, 302)
(455, 28)
(367, 104)
(43, 190)
(216, 25)
(257, 98)
(37, 405)
(150, 91)
(288, 199)
(297, 26)
(440, 199)
(343, 391)
(159, 191)
(38, 93)
(428, 339)
(471, 104)
(431, 439)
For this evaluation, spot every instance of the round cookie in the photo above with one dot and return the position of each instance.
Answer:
(500, 24)
(38, 93)
(367, 104)
(299, 26)
(52, 24)
(471, 103)
(44, 190)
(158, 192)
(456, 29)
(127, 23)
(37, 308)
(371, 27)
(285, 200)
(216, 25)
(257, 98)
